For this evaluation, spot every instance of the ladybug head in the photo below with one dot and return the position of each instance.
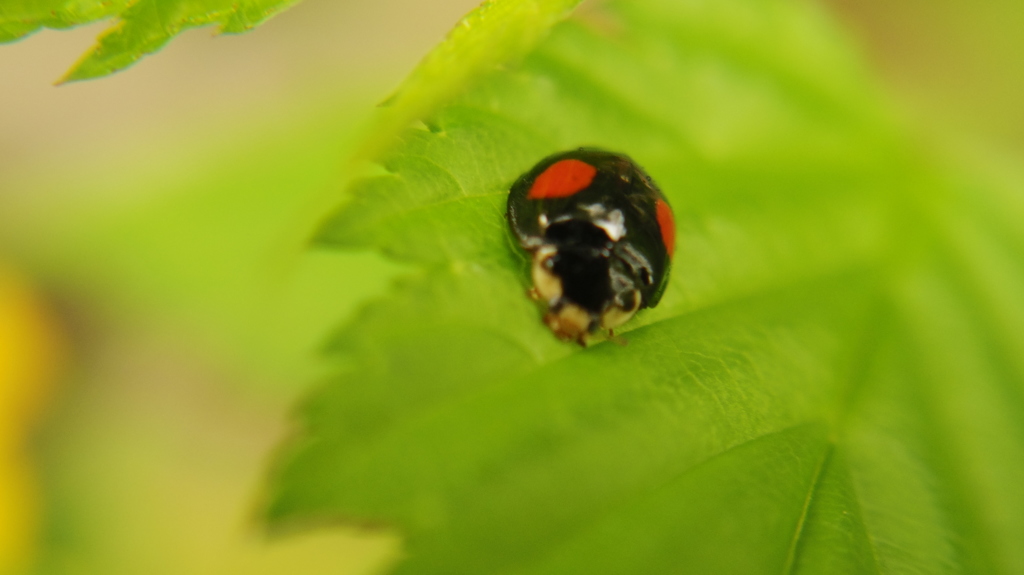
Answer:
(585, 279)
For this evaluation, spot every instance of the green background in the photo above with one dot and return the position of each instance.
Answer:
(150, 206)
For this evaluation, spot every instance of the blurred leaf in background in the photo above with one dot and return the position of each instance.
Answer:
(167, 422)
(166, 211)
(951, 64)
(832, 383)
(143, 27)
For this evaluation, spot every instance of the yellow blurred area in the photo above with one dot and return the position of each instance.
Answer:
(28, 360)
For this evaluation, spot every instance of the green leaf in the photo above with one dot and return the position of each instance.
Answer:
(19, 18)
(831, 384)
(143, 26)
(499, 32)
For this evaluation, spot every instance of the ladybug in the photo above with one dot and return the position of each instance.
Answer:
(600, 235)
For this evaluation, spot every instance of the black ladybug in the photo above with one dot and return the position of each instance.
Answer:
(601, 237)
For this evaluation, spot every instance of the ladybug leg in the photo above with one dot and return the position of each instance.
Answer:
(533, 294)
(617, 339)
(582, 340)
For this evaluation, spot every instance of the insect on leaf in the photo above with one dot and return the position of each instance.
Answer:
(832, 382)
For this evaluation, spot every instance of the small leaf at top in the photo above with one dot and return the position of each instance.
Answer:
(143, 27)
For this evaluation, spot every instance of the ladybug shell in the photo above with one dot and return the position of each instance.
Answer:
(603, 202)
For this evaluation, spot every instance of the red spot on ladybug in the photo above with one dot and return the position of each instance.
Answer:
(562, 179)
(667, 223)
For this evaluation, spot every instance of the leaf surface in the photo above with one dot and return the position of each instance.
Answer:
(831, 384)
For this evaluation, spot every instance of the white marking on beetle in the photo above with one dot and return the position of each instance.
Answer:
(545, 283)
(614, 225)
